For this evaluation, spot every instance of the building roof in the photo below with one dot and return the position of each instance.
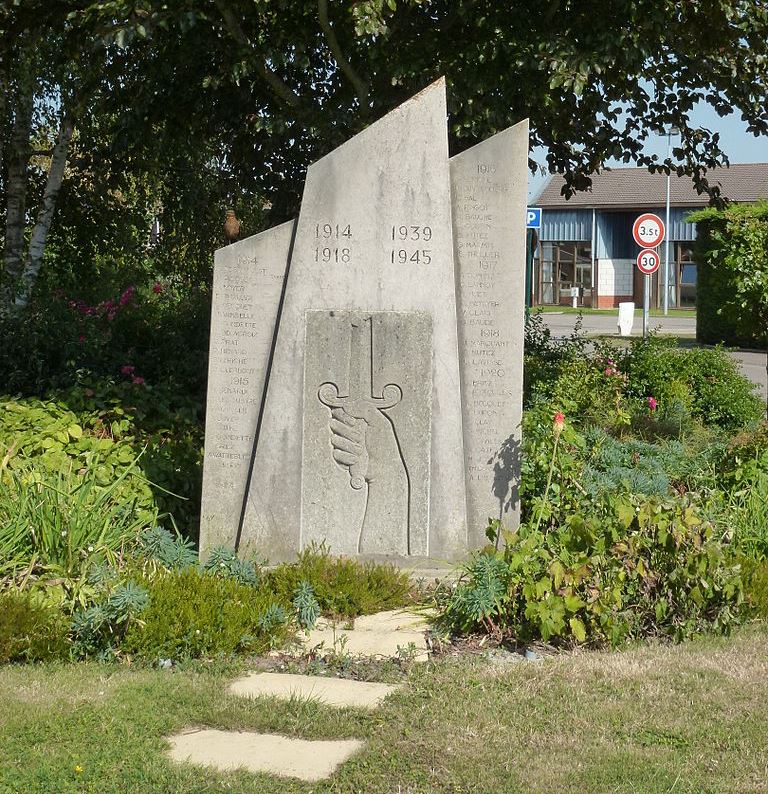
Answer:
(637, 188)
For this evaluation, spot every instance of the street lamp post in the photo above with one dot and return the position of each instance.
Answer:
(669, 133)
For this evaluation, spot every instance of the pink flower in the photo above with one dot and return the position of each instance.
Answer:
(138, 380)
(652, 404)
(81, 339)
(609, 371)
(157, 288)
(127, 296)
(127, 370)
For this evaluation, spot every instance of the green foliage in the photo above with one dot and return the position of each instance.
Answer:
(306, 606)
(30, 630)
(637, 568)
(110, 429)
(732, 252)
(342, 586)
(706, 383)
(193, 614)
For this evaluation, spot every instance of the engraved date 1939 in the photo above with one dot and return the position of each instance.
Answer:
(409, 236)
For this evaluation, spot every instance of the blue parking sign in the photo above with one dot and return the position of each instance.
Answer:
(533, 218)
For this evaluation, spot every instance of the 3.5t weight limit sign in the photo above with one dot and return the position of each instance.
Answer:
(648, 230)
(648, 261)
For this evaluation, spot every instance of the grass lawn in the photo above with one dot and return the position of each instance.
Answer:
(613, 312)
(689, 718)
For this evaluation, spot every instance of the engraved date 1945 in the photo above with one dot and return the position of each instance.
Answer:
(409, 236)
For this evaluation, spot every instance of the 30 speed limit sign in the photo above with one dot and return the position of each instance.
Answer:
(648, 230)
(648, 261)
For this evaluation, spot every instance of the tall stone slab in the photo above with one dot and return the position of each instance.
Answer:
(248, 281)
(489, 185)
(374, 235)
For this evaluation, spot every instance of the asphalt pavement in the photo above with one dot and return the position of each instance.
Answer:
(752, 363)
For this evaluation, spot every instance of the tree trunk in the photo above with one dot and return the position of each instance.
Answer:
(16, 187)
(37, 242)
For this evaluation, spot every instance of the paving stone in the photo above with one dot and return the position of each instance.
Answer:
(262, 752)
(381, 635)
(331, 691)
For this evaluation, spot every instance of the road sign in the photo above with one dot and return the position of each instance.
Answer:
(648, 230)
(533, 218)
(648, 261)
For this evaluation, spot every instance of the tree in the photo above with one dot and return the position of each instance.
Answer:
(734, 242)
(260, 88)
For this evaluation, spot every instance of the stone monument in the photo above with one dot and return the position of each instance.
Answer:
(366, 365)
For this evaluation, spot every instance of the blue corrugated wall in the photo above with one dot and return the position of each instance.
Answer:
(613, 229)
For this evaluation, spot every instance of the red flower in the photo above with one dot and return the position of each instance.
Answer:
(559, 423)
(81, 339)
(652, 404)
(127, 370)
(138, 380)
(157, 288)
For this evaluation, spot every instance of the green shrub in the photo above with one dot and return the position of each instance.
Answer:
(342, 586)
(30, 630)
(705, 383)
(638, 568)
(756, 587)
(193, 614)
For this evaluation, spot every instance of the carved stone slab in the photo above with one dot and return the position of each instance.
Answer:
(366, 440)
(489, 185)
(247, 283)
(374, 234)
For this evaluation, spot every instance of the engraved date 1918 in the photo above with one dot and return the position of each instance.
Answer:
(337, 233)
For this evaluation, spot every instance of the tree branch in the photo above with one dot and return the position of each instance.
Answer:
(360, 86)
(235, 29)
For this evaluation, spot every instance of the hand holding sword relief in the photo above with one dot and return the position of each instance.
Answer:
(363, 440)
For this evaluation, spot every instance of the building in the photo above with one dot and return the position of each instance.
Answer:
(586, 241)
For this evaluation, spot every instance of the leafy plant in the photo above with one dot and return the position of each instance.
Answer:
(225, 562)
(100, 628)
(306, 606)
(640, 568)
(166, 549)
(56, 526)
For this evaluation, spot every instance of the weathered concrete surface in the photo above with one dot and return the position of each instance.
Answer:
(339, 692)
(374, 234)
(489, 184)
(247, 282)
(366, 440)
(262, 752)
(384, 635)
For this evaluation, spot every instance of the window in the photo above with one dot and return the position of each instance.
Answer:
(563, 265)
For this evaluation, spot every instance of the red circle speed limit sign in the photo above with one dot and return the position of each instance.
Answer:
(648, 261)
(648, 230)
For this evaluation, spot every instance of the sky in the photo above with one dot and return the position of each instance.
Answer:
(736, 142)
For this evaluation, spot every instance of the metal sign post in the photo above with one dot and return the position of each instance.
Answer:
(648, 231)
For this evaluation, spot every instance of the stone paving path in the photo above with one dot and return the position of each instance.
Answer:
(393, 633)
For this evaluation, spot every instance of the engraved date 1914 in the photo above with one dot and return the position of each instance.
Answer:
(330, 239)
(409, 236)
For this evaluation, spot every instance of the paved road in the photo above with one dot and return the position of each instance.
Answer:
(752, 364)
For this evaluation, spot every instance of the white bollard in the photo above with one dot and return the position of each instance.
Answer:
(575, 297)
(626, 318)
